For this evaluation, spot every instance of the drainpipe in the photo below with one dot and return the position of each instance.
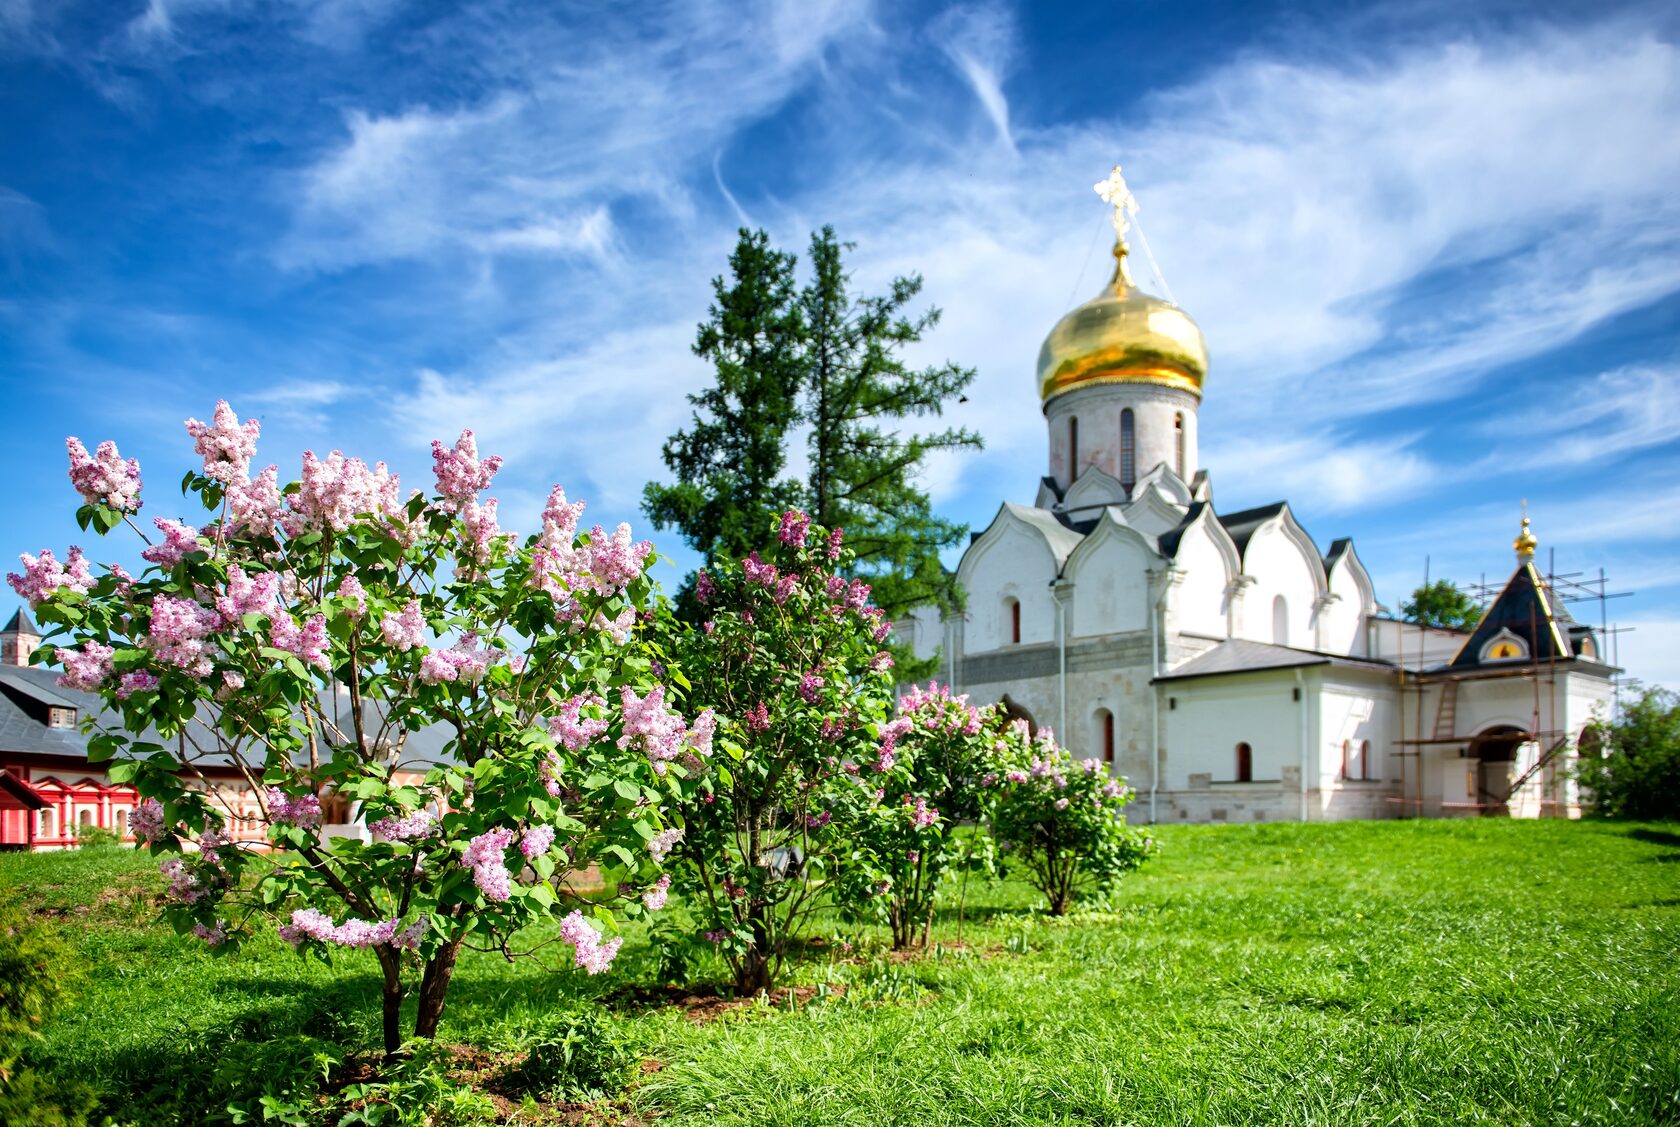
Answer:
(1301, 691)
(1155, 690)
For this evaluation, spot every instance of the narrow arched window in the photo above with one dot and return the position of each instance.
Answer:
(1347, 758)
(1280, 621)
(1105, 735)
(1128, 450)
(122, 821)
(1073, 449)
(1245, 763)
(1014, 606)
(1365, 759)
(1178, 443)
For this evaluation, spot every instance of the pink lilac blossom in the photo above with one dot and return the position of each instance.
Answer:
(334, 492)
(785, 587)
(461, 474)
(405, 630)
(463, 662)
(700, 735)
(410, 827)
(410, 936)
(1061, 804)
(178, 540)
(86, 668)
(535, 841)
(147, 821)
(810, 686)
(616, 562)
(248, 594)
(656, 895)
(757, 718)
(183, 885)
(226, 444)
(140, 681)
(177, 632)
(309, 643)
(303, 811)
(480, 534)
(704, 588)
(818, 821)
(618, 627)
(559, 520)
(659, 846)
(881, 662)
(254, 506)
(486, 856)
(757, 571)
(650, 727)
(717, 936)
(574, 730)
(214, 936)
(308, 923)
(795, 527)
(857, 595)
(922, 815)
(104, 478)
(43, 575)
(835, 537)
(232, 682)
(589, 952)
(351, 590)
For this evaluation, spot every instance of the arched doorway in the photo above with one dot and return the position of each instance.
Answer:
(1495, 752)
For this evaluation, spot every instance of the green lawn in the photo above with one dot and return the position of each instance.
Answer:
(1402, 972)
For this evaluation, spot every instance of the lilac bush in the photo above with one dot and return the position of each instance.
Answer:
(790, 658)
(1060, 821)
(303, 633)
(940, 760)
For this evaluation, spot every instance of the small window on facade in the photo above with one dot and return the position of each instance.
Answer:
(1178, 443)
(1105, 735)
(1073, 449)
(1347, 758)
(121, 817)
(1280, 621)
(49, 824)
(1245, 763)
(1128, 450)
(1014, 621)
(1365, 759)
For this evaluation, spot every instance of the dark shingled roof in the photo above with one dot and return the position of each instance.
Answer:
(21, 624)
(1338, 549)
(1243, 525)
(1528, 609)
(1238, 655)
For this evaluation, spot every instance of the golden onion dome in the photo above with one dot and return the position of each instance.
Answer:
(1123, 335)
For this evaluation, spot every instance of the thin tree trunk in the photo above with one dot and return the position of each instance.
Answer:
(393, 999)
(434, 988)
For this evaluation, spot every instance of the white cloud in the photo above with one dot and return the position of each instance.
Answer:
(980, 41)
(1613, 414)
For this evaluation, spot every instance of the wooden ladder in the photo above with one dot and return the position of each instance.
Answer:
(1551, 754)
(1446, 714)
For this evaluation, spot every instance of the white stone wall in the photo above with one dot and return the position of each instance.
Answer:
(1213, 715)
(1098, 411)
(1280, 570)
(1017, 565)
(1110, 577)
(1198, 602)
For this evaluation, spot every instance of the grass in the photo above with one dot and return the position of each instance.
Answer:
(1486, 971)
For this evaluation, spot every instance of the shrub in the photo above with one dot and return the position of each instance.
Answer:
(424, 615)
(96, 837)
(788, 658)
(1636, 771)
(577, 1056)
(945, 764)
(1061, 822)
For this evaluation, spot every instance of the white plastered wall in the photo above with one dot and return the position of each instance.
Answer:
(1278, 567)
(1015, 564)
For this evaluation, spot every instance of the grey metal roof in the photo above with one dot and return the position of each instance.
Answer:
(1173, 537)
(1239, 655)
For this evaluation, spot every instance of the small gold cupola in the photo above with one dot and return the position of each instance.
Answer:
(1525, 543)
(1122, 335)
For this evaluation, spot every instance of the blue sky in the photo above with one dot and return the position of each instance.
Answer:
(1434, 248)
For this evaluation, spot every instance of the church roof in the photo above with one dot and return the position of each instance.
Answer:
(1239, 655)
(1338, 548)
(1528, 609)
(21, 624)
(1244, 524)
(1173, 537)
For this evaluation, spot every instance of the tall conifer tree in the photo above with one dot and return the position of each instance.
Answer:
(830, 359)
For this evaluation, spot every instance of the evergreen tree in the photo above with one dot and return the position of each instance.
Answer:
(728, 464)
(1442, 604)
(830, 359)
(865, 473)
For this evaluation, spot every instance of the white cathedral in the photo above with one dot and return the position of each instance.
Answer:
(1220, 661)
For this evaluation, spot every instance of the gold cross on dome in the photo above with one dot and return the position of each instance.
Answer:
(1115, 194)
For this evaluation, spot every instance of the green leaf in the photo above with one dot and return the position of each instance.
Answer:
(627, 789)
